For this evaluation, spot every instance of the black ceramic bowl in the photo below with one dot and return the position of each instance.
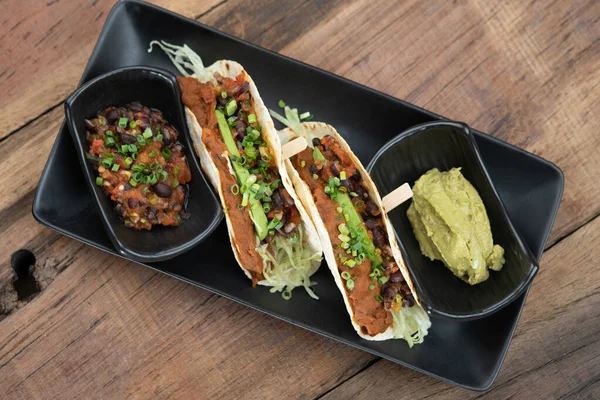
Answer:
(158, 89)
(445, 145)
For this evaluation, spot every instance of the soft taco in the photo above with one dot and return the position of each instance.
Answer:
(356, 235)
(272, 236)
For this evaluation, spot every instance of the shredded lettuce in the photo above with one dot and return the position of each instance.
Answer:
(287, 265)
(410, 324)
(184, 58)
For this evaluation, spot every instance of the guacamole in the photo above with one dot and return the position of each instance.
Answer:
(451, 225)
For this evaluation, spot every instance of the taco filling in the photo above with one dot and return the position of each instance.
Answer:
(268, 230)
(374, 284)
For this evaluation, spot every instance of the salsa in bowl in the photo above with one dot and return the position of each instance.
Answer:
(133, 144)
(140, 165)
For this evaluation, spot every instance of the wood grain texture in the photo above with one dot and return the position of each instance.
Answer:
(526, 72)
(560, 321)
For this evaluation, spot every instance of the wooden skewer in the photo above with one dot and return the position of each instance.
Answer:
(397, 197)
(293, 147)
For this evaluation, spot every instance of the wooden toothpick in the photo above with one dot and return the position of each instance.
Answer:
(396, 197)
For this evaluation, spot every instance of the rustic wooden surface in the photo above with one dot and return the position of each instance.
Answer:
(526, 72)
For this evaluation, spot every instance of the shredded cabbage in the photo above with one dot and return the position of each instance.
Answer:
(410, 324)
(184, 58)
(288, 265)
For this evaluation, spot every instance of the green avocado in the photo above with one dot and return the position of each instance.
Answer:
(451, 225)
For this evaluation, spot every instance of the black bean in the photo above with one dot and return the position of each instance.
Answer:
(244, 88)
(277, 200)
(389, 293)
(119, 210)
(371, 223)
(356, 176)
(162, 190)
(316, 142)
(167, 135)
(143, 122)
(89, 124)
(128, 139)
(389, 265)
(222, 101)
(112, 116)
(396, 277)
(378, 236)
(348, 184)
(372, 208)
(313, 169)
(408, 301)
(335, 170)
(128, 186)
(132, 203)
(240, 127)
(135, 106)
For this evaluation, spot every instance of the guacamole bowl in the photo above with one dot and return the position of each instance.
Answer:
(445, 145)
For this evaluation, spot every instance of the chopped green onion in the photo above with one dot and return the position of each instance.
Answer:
(275, 184)
(147, 133)
(274, 223)
(343, 228)
(175, 183)
(224, 94)
(235, 189)
(166, 153)
(302, 164)
(164, 175)
(343, 175)
(158, 137)
(345, 245)
(123, 122)
(371, 287)
(266, 207)
(294, 238)
(152, 154)
(107, 162)
(132, 182)
(327, 189)
(359, 204)
(231, 107)
(133, 124)
(109, 142)
(379, 298)
(135, 156)
(251, 180)
(231, 121)
(346, 275)
(350, 263)
(99, 181)
(305, 115)
(115, 167)
(353, 194)
(128, 161)
(109, 133)
(315, 176)
(140, 139)
(339, 210)
(132, 148)
(252, 118)
(343, 238)
(317, 155)
(382, 279)
(245, 200)
(349, 284)
(281, 103)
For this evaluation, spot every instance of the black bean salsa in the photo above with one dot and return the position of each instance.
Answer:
(140, 165)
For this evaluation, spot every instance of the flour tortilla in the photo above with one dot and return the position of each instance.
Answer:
(310, 130)
(231, 69)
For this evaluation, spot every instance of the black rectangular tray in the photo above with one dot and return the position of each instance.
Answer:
(468, 354)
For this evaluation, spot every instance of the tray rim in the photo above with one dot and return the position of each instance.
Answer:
(123, 3)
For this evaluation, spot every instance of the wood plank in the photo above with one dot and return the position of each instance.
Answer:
(519, 71)
(104, 311)
(40, 39)
(556, 348)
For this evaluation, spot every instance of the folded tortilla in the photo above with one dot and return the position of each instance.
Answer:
(410, 323)
(231, 69)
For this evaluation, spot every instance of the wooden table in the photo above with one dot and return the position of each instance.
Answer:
(102, 327)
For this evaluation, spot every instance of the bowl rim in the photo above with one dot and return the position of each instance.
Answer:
(71, 118)
(534, 266)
